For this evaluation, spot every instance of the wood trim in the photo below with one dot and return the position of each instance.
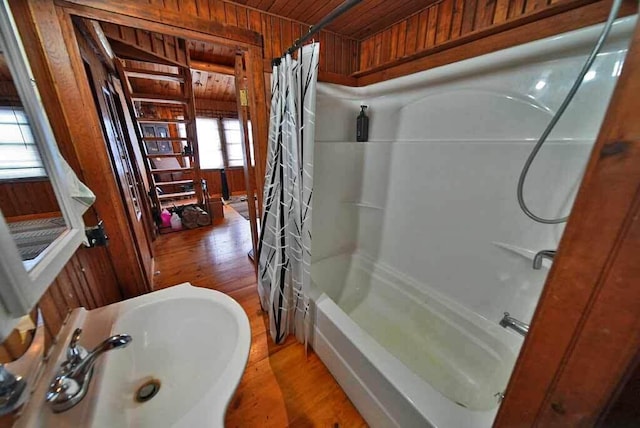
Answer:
(161, 20)
(555, 19)
(249, 172)
(339, 79)
(211, 68)
(258, 108)
(586, 330)
(204, 104)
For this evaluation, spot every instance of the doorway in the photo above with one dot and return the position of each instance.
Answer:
(178, 134)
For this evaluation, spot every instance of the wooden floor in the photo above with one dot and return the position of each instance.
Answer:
(281, 386)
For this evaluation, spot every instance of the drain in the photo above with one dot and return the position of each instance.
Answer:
(147, 390)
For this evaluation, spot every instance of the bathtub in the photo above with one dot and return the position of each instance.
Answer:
(404, 357)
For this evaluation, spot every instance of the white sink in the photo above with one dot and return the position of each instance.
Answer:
(193, 341)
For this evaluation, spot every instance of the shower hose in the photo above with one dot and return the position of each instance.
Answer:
(615, 7)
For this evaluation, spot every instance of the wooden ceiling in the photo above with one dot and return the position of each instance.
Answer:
(144, 50)
(361, 21)
(206, 85)
(213, 86)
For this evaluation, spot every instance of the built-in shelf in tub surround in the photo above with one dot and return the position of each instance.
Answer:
(523, 252)
(362, 204)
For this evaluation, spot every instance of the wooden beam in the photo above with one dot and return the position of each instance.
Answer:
(259, 110)
(211, 68)
(242, 99)
(158, 98)
(150, 74)
(127, 51)
(93, 32)
(585, 332)
(223, 106)
(162, 20)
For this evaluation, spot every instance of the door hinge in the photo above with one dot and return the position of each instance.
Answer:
(96, 235)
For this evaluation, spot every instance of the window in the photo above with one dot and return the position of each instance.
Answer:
(209, 145)
(19, 156)
(234, 142)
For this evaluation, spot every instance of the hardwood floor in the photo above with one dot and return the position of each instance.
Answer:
(281, 387)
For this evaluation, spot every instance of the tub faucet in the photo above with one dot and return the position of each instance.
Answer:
(71, 383)
(508, 321)
(540, 255)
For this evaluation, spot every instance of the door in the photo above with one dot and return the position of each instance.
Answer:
(106, 99)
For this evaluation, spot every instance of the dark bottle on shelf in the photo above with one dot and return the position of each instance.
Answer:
(362, 132)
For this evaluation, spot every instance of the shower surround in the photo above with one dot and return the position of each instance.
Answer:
(419, 244)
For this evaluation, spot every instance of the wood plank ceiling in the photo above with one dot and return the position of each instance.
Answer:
(363, 20)
(130, 44)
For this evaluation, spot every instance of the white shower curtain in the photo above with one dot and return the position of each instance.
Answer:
(284, 250)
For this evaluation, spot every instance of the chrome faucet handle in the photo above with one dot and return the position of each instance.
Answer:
(71, 383)
(57, 387)
(11, 389)
(75, 352)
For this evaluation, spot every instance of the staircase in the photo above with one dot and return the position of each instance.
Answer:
(168, 134)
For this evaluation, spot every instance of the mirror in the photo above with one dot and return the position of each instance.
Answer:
(41, 199)
(27, 199)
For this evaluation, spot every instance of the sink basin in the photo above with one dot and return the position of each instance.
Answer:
(192, 343)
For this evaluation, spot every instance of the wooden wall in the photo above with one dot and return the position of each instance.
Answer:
(88, 280)
(168, 47)
(474, 27)
(339, 54)
(27, 197)
(439, 27)
(440, 23)
(235, 180)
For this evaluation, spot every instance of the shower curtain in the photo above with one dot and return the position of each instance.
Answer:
(284, 250)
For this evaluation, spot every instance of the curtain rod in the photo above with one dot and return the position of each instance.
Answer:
(345, 6)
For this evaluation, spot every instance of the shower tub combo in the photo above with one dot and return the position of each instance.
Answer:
(403, 356)
(406, 299)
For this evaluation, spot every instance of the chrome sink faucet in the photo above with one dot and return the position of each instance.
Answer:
(540, 255)
(508, 321)
(71, 383)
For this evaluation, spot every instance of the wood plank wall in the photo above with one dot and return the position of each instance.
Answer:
(87, 280)
(440, 23)
(454, 30)
(338, 54)
(168, 47)
(235, 180)
(27, 197)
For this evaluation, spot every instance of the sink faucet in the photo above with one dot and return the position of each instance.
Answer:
(508, 321)
(71, 383)
(544, 254)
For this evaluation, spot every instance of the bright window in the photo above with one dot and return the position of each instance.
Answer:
(234, 142)
(209, 145)
(19, 156)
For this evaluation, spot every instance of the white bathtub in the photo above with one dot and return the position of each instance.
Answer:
(406, 358)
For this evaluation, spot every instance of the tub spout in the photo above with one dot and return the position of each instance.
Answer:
(508, 321)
